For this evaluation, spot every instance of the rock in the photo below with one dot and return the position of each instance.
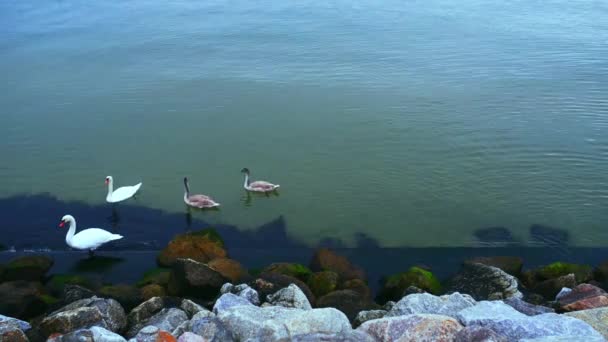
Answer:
(514, 325)
(93, 334)
(22, 299)
(211, 329)
(485, 282)
(32, 268)
(190, 307)
(395, 285)
(564, 291)
(582, 273)
(128, 296)
(326, 260)
(21, 325)
(347, 301)
(290, 297)
(423, 327)
(527, 308)
(57, 283)
(290, 269)
(582, 297)
(425, 303)
(364, 316)
(190, 337)
(227, 301)
(600, 273)
(509, 264)
(12, 329)
(357, 285)
(153, 334)
(72, 293)
(478, 334)
(230, 269)
(144, 311)
(194, 279)
(351, 336)
(152, 290)
(269, 283)
(322, 283)
(551, 287)
(388, 306)
(167, 319)
(412, 290)
(276, 322)
(202, 246)
(242, 290)
(85, 313)
(563, 338)
(597, 318)
(155, 276)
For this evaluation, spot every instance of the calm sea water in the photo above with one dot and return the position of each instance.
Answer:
(416, 123)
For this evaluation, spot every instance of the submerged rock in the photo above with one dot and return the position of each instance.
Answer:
(327, 260)
(152, 290)
(582, 297)
(322, 283)
(395, 286)
(201, 246)
(582, 273)
(509, 264)
(485, 282)
(290, 297)
(347, 301)
(155, 276)
(290, 269)
(127, 295)
(72, 293)
(195, 279)
(422, 327)
(32, 268)
(425, 303)
(22, 299)
(597, 318)
(230, 269)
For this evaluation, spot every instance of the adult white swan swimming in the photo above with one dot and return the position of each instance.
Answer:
(257, 186)
(88, 239)
(120, 194)
(198, 201)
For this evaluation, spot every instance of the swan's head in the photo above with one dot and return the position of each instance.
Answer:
(109, 180)
(185, 180)
(66, 219)
(245, 170)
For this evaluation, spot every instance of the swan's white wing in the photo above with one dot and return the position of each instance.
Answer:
(124, 193)
(92, 238)
(262, 186)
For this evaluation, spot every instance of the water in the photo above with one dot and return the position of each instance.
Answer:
(417, 124)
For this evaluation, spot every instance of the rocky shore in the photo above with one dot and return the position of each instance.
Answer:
(198, 293)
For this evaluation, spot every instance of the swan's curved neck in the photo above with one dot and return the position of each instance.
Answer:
(71, 231)
(246, 180)
(110, 188)
(186, 192)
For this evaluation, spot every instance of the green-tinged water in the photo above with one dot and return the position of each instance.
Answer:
(414, 122)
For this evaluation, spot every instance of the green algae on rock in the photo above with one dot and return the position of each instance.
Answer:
(158, 276)
(396, 284)
(582, 273)
(291, 269)
(322, 283)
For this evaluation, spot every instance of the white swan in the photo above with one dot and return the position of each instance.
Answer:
(120, 194)
(198, 201)
(257, 186)
(88, 239)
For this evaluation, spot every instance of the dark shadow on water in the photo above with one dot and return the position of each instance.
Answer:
(30, 223)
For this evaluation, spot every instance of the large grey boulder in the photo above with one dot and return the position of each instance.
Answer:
(422, 327)
(22, 325)
(276, 322)
(351, 336)
(242, 290)
(425, 303)
(476, 333)
(565, 338)
(484, 282)
(97, 334)
(228, 300)
(290, 297)
(166, 319)
(211, 329)
(514, 325)
(85, 313)
(597, 318)
(527, 308)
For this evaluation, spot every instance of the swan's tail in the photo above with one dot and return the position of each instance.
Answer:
(137, 186)
(276, 186)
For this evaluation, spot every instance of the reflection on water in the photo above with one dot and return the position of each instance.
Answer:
(95, 264)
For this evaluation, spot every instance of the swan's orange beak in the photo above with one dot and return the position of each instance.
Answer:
(61, 224)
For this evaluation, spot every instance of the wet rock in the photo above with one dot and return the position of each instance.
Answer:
(211, 329)
(155, 276)
(563, 338)
(194, 279)
(485, 282)
(57, 284)
(227, 301)
(564, 291)
(423, 327)
(230, 269)
(394, 286)
(582, 273)
(509, 264)
(72, 293)
(128, 296)
(322, 283)
(190, 307)
(85, 313)
(153, 334)
(600, 273)
(351, 336)
(201, 246)
(12, 329)
(347, 301)
(327, 260)
(527, 308)
(22, 325)
(368, 315)
(32, 268)
(479, 334)
(551, 287)
(514, 325)
(167, 319)
(357, 285)
(276, 322)
(597, 318)
(290, 297)
(290, 269)
(93, 334)
(22, 299)
(425, 303)
(582, 297)
(152, 290)
(269, 283)
(242, 290)
(388, 306)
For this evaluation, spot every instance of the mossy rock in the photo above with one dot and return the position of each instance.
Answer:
(202, 246)
(152, 290)
(32, 268)
(230, 269)
(396, 284)
(291, 269)
(322, 283)
(582, 273)
(158, 276)
(127, 295)
(57, 282)
(49, 300)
